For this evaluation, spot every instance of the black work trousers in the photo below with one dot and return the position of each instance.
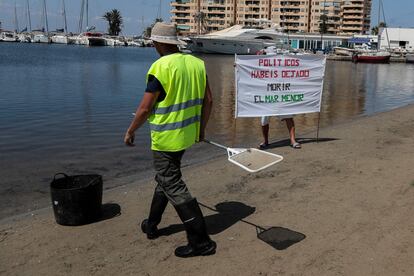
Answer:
(168, 176)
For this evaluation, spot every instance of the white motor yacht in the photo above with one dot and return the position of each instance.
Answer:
(41, 38)
(25, 37)
(236, 40)
(8, 37)
(409, 58)
(60, 39)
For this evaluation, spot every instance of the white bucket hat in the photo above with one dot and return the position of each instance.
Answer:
(165, 33)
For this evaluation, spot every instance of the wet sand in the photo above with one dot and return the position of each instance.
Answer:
(350, 196)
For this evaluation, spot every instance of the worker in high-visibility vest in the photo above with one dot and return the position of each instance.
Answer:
(177, 103)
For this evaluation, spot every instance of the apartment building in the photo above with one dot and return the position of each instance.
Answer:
(355, 16)
(331, 10)
(339, 16)
(252, 12)
(292, 15)
(202, 16)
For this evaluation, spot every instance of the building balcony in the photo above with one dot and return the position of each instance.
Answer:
(215, 9)
(174, 11)
(216, 17)
(352, 17)
(175, 4)
(252, 2)
(355, 28)
(180, 2)
(188, 17)
(352, 11)
(291, 2)
(351, 22)
(298, 13)
(354, 5)
(250, 16)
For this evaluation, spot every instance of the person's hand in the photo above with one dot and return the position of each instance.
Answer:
(129, 139)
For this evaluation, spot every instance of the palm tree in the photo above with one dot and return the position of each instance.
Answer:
(114, 19)
(375, 29)
(323, 26)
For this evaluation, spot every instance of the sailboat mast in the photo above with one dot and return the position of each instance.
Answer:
(81, 16)
(45, 11)
(385, 22)
(28, 16)
(87, 14)
(16, 23)
(64, 16)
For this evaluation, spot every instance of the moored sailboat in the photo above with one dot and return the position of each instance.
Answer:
(372, 57)
(62, 37)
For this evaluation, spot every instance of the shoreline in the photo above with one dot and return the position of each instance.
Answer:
(350, 196)
(147, 177)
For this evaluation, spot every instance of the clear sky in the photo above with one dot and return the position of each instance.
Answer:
(140, 13)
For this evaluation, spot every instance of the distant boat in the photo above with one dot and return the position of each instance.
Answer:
(343, 51)
(409, 58)
(114, 41)
(372, 57)
(95, 39)
(91, 39)
(8, 37)
(41, 38)
(25, 37)
(62, 37)
(235, 40)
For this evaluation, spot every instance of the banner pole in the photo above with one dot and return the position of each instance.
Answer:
(317, 131)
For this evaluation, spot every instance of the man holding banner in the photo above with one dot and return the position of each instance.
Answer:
(279, 85)
(290, 124)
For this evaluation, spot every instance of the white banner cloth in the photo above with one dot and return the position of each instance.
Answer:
(271, 85)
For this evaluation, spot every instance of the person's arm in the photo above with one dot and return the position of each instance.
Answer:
(205, 110)
(143, 112)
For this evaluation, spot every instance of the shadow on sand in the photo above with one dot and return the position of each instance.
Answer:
(231, 212)
(228, 213)
(286, 142)
(109, 210)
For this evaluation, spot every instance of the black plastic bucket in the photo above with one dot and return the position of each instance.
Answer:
(76, 199)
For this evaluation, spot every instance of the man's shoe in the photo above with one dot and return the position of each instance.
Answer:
(158, 204)
(151, 233)
(188, 251)
(199, 243)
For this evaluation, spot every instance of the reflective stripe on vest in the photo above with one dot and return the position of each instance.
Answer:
(177, 107)
(177, 125)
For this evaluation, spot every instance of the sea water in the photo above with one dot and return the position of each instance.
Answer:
(65, 108)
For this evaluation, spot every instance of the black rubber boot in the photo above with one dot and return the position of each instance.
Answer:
(199, 243)
(158, 204)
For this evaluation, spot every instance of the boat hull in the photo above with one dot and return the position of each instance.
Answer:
(409, 58)
(96, 41)
(60, 39)
(41, 39)
(227, 46)
(371, 59)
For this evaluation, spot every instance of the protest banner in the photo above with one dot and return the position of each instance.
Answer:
(271, 85)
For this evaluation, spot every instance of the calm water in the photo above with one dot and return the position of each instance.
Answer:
(66, 108)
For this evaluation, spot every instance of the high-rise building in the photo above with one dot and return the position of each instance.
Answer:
(310, 16)
(355, 16)
(252, 12)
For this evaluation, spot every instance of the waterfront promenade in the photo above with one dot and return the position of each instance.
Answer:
(351, 195)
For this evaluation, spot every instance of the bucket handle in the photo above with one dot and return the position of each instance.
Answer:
(64, 175)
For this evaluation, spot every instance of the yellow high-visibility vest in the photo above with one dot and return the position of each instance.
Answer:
(175, 121)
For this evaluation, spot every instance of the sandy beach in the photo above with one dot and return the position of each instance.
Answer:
(343, 207)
